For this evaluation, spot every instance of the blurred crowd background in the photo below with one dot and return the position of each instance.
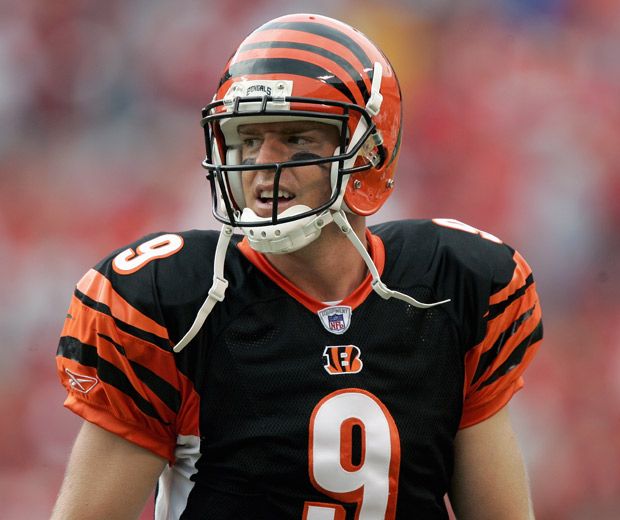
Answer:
(512, 124)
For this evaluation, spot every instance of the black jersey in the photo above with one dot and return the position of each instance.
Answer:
(286, 407)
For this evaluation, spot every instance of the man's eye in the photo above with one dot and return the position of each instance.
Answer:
(298, 139)
(250, 142)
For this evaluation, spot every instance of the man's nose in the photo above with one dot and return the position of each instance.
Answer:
(272, 150)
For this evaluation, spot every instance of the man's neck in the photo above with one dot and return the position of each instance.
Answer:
(328, 269)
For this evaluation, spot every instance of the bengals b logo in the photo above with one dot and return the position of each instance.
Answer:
(342, 359)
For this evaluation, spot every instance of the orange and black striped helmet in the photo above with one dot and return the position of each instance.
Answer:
(308, 66)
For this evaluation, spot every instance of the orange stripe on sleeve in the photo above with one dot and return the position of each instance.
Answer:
(481, 398)
(496, 327)
(97, 287)
(519, 276)
(111, 409)
(187, 421)
(86, 325)
(524, 330)
(143, 397)
(495, 396)
(140, 435)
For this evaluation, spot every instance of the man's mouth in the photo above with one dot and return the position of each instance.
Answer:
(266, 196)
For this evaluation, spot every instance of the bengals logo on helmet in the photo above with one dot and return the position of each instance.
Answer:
(342, 359)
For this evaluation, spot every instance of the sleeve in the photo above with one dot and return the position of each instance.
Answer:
(494, 367)
(119, 370)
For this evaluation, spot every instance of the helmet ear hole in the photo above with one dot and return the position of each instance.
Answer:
(366, 190)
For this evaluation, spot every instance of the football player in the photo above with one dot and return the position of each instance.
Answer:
(308, 367)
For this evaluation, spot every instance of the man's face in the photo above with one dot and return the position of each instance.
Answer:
(276, 142)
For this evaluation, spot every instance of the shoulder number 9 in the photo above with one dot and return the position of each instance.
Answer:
(461, 226)
(372, 483)
(129, 261)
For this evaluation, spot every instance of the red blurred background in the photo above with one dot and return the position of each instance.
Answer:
(512, 114)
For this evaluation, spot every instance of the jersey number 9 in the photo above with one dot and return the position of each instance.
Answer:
(370, 482)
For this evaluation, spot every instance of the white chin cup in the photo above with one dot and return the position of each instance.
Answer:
(288, 236)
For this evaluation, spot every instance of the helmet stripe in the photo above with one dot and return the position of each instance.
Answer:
(287, 66)
(339, 60)
(325, 31)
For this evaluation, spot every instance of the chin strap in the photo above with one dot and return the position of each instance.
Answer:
(378, 286)
(217, 290)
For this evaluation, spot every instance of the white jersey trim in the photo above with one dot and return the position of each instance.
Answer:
(175, 484)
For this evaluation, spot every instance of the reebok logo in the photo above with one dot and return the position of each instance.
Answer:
(80, 382)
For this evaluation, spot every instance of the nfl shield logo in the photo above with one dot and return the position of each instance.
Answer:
(336, 322)
(336, 319)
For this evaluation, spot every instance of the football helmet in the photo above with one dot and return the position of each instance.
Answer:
(304, 67)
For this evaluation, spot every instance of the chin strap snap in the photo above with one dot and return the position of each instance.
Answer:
(216, 292)
(377, 285)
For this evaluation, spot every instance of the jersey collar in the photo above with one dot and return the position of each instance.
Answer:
(356, 298)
